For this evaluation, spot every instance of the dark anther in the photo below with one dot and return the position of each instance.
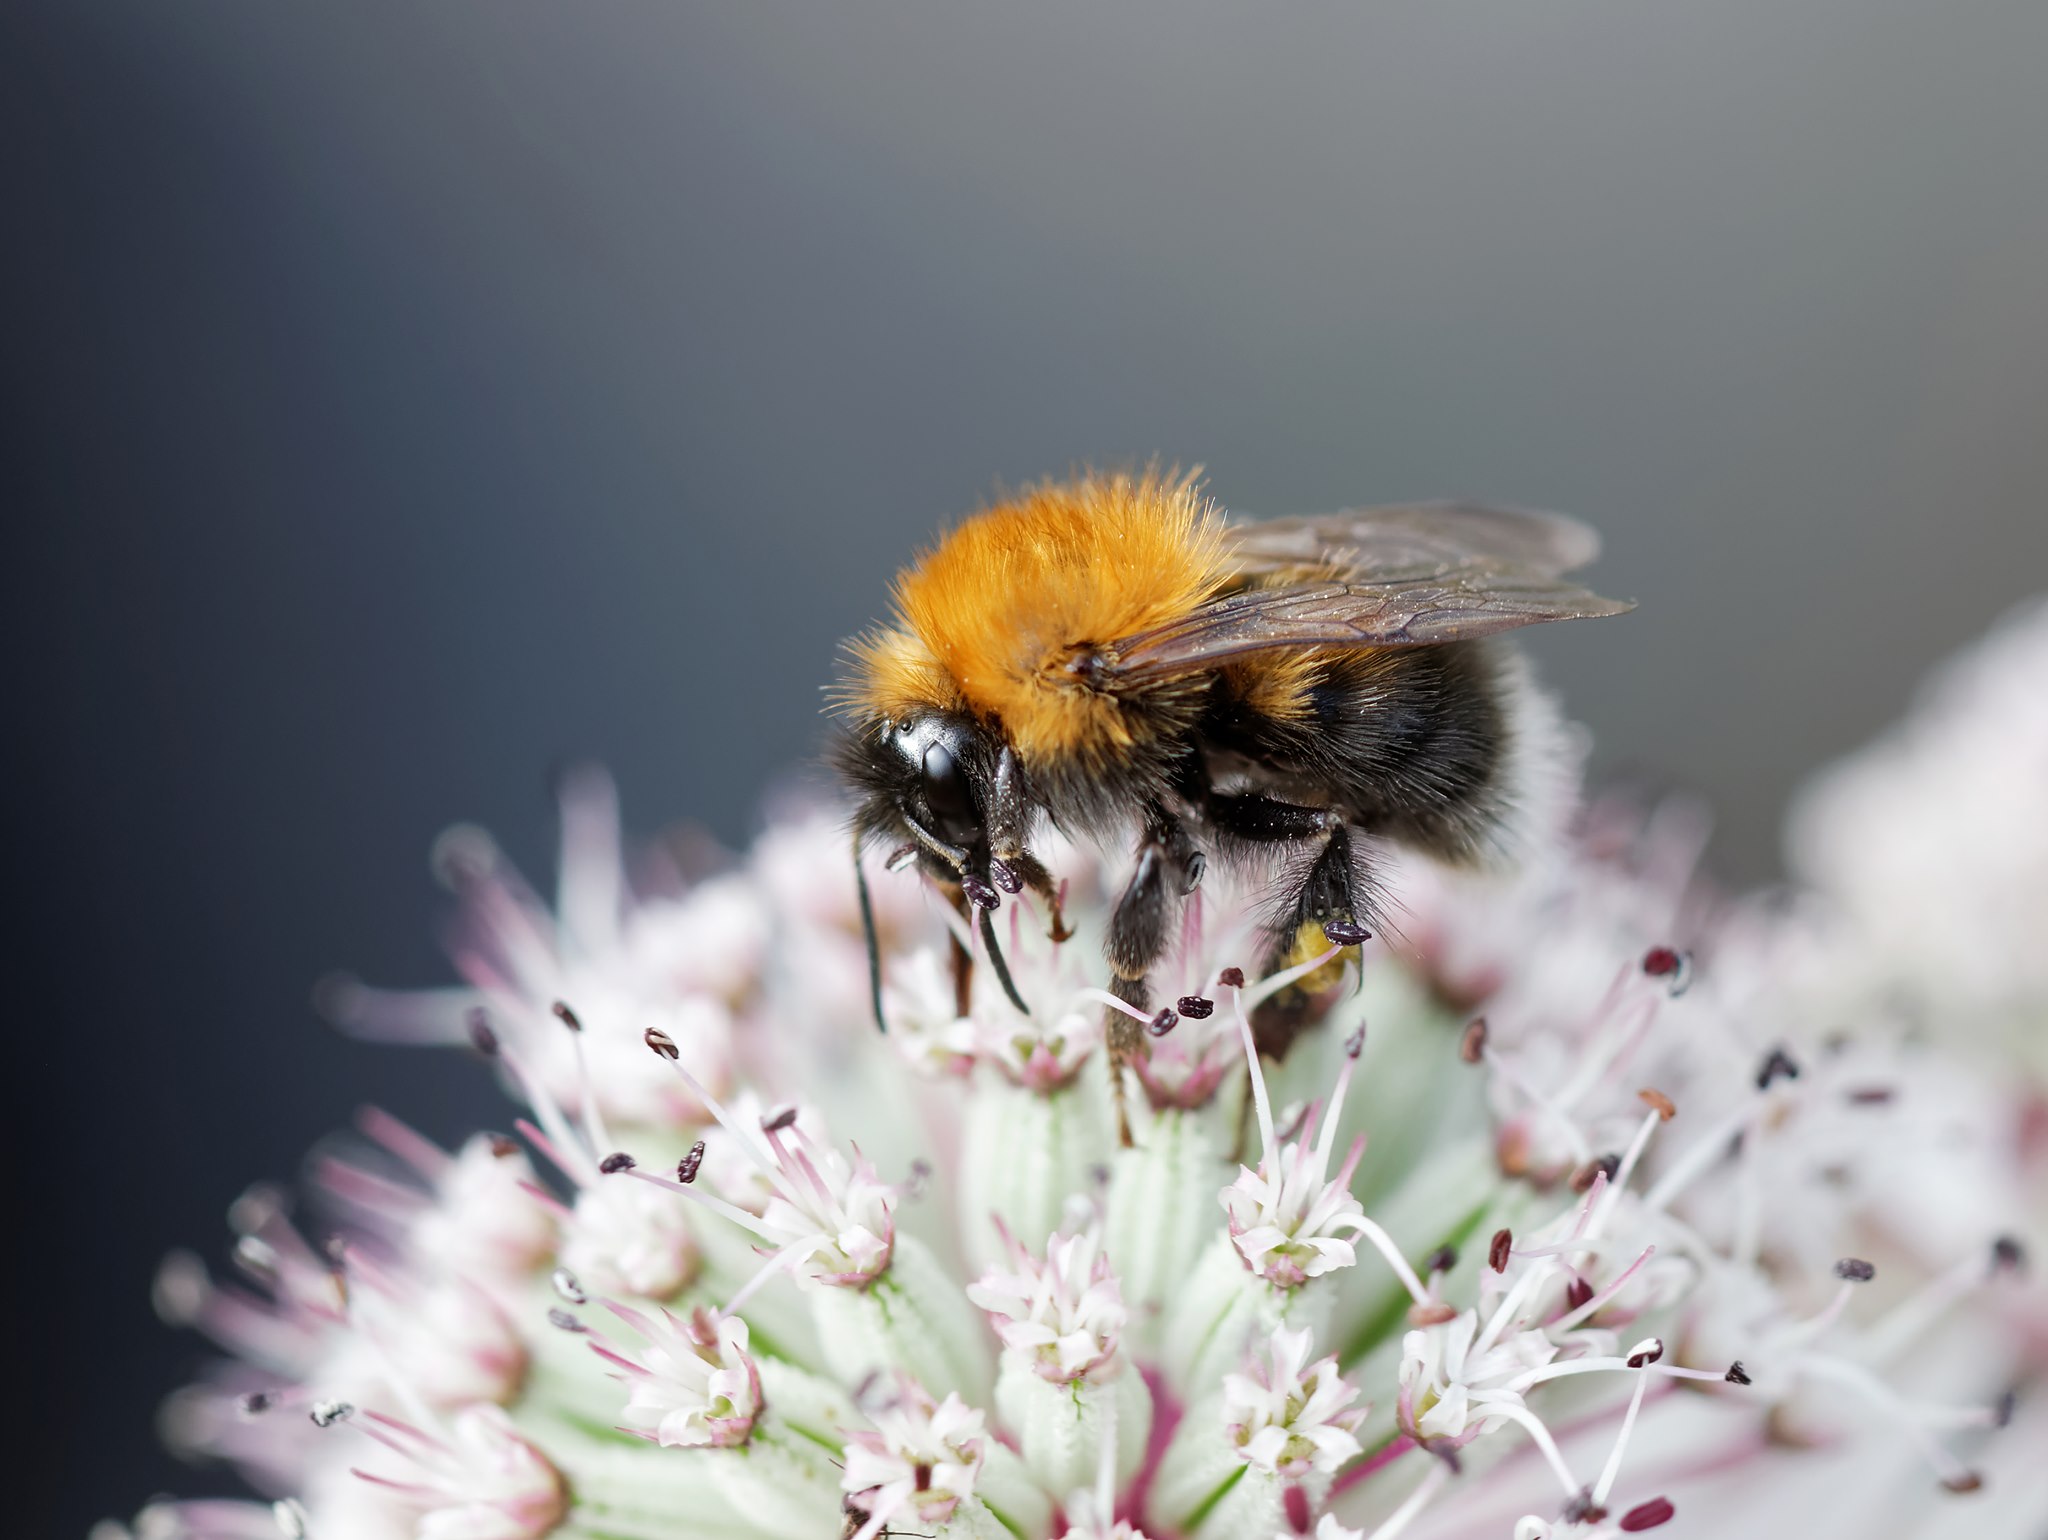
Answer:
(482, 1035)
(1441, 1260)
(255, 1403)
(1737, 1375)
(1498, 1248)
(1663, 962)
(1658, 1102)
(1472, 1045)
(1855, 1270)
(1599, 1166)
(776, 1123)
(326, 1414)
(1197, 869)
(1778, 1065)
(1345, 932)
(979, 893)
(1649, 1515)
(920, 1179)
(567, 1017)
(2008, 1255)
(616, 1162)
(1963, 1482)
(1354, 1045)
(899, 858)
(1871, 1096)
(1577, 1293)
(503, 1146)
(1163, 1023)
(1583, 1510)
(2003, 1408)
(561, 1320)
(1195, 1007)
(1231, 978)
(688, 1167)
(661, 1043)
(1660, 962)
(565, 1284)
(1648, 1356)
(1005, 876)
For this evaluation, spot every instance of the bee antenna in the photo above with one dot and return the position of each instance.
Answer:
(867, 930)
(995, 961)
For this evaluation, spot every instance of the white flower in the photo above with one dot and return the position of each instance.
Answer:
(1063, 1314)
(921, 1459)
(1931, 840)
(486, 1220)
(476, 1479)
(623, 1238)
(1288, 1416)
(612, 962)
(1287, 1218)
(830, 1219)
(692, 1383)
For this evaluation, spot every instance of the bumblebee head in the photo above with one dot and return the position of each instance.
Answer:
(938, 783)
(950, 795)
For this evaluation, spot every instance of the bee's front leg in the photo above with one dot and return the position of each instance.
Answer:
(1168, 868)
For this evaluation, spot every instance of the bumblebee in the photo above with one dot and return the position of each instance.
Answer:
(1113, 655)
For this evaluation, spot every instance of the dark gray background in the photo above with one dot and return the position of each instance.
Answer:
(407, 395)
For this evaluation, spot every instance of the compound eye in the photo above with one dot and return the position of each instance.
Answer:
(946, 793)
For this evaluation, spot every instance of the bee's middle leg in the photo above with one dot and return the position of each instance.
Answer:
(1168, 868)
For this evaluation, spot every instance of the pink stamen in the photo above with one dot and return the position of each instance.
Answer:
(1572, 1318)
(1372, 1464)
(410, 1146)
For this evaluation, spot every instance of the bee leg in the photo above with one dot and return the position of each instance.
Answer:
(1039, 881)
(1327, 909)
(1168, 866)
(961, 959)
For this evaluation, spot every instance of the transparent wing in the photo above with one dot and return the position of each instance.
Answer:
(1415, 540)
(1406, 576)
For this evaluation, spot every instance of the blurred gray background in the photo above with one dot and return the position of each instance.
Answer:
(409, 394)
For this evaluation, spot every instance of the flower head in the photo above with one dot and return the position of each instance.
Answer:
(1643, 1199)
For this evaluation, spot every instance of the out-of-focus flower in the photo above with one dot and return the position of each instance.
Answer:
(1931, 843)
(1595, 1202)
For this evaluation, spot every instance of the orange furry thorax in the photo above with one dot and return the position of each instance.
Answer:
(988, 619)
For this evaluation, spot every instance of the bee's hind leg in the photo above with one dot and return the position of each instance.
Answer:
(1331, 903)
(1168, 868)
(1329, 908)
